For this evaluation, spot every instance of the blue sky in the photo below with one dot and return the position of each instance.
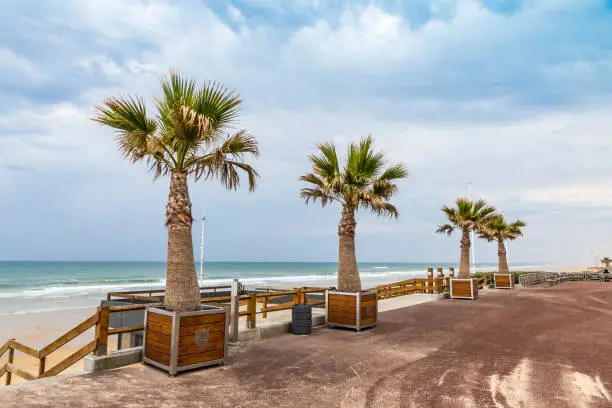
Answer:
(513, 96)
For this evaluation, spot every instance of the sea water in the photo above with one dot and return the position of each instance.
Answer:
(45, 286)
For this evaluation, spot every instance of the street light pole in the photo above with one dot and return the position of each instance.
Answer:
(202, 251)
(472, 234)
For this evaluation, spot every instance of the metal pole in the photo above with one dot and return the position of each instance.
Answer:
(472, 235)
(234, 310)
(202, 251)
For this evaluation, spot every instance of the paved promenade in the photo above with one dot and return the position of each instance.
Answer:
(535, 347)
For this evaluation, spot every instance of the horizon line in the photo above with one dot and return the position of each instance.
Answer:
(260, 261)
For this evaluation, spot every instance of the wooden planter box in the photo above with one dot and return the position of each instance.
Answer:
(178, 341)
(463, 288)
(503, 280)
(356, 311)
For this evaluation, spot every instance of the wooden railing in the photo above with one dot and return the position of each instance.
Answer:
(253, 304)
(100, 319)
(148, 294)
(406, 287)
(256, 303)
(430, 284)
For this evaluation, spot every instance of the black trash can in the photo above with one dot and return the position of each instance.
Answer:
(301, 319)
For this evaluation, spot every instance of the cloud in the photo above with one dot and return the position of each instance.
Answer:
(511, 96)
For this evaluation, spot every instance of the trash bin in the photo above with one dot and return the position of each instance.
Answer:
(301, 319)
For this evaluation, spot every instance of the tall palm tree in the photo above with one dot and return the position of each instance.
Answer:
(364, 182)
(606, 261)
(499, 230)
(190, 136)
(466, 216)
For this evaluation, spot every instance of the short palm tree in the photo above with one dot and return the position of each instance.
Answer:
(190, 136)
(498, 230)
(364, 182)
(466, 216)
(606, 261)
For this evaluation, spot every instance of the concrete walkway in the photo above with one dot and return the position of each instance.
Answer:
(534, 347)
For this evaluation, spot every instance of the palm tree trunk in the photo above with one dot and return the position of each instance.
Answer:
(464, 263)
(348, 274)
(503, 260)
(182, 291)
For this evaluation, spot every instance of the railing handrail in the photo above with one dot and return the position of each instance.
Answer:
(4, 348)
(137, 292)
(70, 335)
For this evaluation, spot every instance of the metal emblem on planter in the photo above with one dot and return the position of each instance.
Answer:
(202, 338)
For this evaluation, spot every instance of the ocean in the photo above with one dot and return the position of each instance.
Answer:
(46, 286)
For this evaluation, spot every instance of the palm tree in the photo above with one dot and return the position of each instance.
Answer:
(467, 216)
(606, 261)
(190, 136)
(499, 230)
(363, 182)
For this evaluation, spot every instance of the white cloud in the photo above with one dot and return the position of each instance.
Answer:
(14, 64)
(583, 195)
(235, 14)
(58, 136)
(469, 95)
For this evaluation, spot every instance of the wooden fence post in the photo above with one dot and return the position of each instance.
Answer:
(451, 272)
(439, 280)
(429, 281)
(11, 354)
(298, 297)
(264, 305)
(234, 310)
(252, 309)
(41, 365)
(102, 332)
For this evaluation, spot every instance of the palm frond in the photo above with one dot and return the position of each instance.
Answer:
(128, 116)
(445, 229)
(220, 104)
(380, 208)
(326, 164)
(395, 172)
(316, 193)
(224, 161)
(189, 133)
(360, 183)
(469, 215)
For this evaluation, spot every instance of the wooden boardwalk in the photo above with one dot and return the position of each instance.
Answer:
(534, 347)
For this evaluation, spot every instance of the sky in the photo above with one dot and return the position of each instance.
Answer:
(513, 96)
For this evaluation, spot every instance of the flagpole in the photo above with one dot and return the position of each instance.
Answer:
(472, 234)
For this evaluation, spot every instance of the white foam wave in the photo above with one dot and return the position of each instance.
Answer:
(376, 273)
(85, 290)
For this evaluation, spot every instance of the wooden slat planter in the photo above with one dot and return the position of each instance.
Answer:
(503, 280)
(464, 288)
(356, 311)
(179, 341)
